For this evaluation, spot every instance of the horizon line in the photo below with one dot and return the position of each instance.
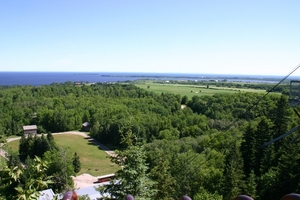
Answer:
(187, 73)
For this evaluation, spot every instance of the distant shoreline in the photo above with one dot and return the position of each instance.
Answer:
(195, 77)
(46, 78)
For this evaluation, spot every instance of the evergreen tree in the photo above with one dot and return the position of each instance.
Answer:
(233, 183)
(46, 146)
(30, 145)
(34, 146)
(186, 173)
(60, 168)
(281, 121)
(37, 146)
(23, 146)
(263, 155)
(76, 163)
(268, 185)
(165, 182)
(13, 160)
(26, 147)
(184, 99)
(251, 185)
(132, 178)
(249, 148)
(50, 139)
(289, 176)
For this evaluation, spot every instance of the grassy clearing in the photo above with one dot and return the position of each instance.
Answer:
(94, 161)
(2, 162)
(13, 146)
(192, 90)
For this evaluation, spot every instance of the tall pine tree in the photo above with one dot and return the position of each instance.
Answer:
(76, 163)
(233, 183)
(281, 121)
(249, 148)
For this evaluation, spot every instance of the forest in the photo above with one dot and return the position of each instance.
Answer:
(210, 149)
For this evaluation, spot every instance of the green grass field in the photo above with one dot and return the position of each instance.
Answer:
(190, 90)
(94, 161)
(2, 162)
(13, 146)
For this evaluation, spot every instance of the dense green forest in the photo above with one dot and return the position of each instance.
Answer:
(209, 150)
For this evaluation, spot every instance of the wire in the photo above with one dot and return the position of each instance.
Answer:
(264, 96)
(273, 88)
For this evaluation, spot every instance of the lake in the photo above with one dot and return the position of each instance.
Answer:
(45, 78)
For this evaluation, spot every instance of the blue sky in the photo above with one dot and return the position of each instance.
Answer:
(208, 37)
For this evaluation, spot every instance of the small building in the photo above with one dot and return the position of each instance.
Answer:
(105, 178)
(86, 126)
(30, 130)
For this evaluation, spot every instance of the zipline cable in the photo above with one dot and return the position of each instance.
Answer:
(273, 88)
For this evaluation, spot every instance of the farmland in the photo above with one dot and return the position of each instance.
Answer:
(192, 90)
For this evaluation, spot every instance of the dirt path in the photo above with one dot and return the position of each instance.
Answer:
(3, 153)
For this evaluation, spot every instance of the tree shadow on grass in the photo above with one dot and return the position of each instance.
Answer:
(92, 141)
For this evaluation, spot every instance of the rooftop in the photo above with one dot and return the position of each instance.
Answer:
(29, 127)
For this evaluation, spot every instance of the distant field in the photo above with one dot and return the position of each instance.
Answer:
(94, 161)
(190, 90)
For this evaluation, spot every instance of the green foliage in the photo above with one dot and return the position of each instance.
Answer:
(24, 184)
(251, 185)
(165, 183)
(76, 163)
(35, 146)
(210, 149)
(50, 139)
(233, 173)
(183, 166)
(2, 137)
(249, 148)
(13, 160)
(266, 167)
(133, 177)
(205, 195)
(60, 168)
(84, 197)
(184, 99)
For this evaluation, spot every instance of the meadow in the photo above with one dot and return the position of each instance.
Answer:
(192, 90)
(2, 162)
(94, 161)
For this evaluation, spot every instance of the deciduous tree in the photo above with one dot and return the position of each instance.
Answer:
(24, 183)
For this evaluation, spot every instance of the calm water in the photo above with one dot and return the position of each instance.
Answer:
(44, 78)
